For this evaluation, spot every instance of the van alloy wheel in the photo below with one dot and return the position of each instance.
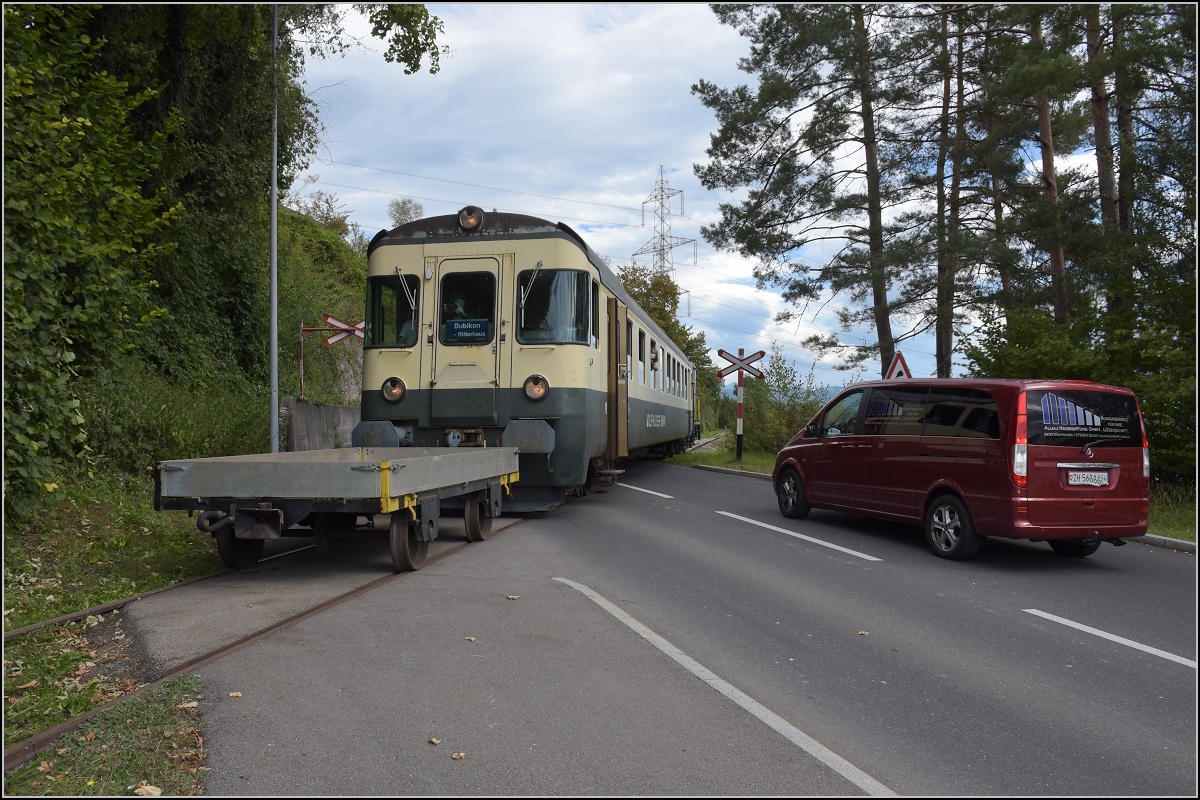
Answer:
(792, 503)
(949, 530)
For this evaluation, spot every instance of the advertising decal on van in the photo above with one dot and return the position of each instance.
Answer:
(1078, 418)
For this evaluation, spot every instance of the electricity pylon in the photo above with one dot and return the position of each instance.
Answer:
(663, 243)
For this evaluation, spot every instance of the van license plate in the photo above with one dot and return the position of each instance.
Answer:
(1087, 479)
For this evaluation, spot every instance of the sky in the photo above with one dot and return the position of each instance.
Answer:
(565, 112)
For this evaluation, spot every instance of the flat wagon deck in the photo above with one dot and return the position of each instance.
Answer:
(245, 500)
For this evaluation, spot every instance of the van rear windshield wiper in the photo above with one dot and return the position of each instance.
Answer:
(1084, 449)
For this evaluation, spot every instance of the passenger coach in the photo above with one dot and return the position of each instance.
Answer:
(500, 329)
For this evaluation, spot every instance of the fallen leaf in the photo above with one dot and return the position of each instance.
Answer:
(190, 704)
(166, 734)
(148, 791)
(89, 736)
(469, 639)
(513, 596)
(459, 756)
(862, 633)
(45, 766)
(30, 685)
(434, 740)
(235, 694)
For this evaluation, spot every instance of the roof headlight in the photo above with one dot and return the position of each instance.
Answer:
(470, 218)
(536, 388)
(393, 390)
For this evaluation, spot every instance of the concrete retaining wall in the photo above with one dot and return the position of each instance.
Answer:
(316, 426)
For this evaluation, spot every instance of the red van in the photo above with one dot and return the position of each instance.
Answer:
(1065, 462)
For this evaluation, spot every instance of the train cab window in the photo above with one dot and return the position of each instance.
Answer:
(642, 357)
(391, 311)
(468, 308)
(553, 306)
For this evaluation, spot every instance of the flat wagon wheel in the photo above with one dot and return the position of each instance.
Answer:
(477, 523)
(237, 553)
(327, 529)
(408, 551)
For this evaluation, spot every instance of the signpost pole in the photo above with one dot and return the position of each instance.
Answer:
(741, 396)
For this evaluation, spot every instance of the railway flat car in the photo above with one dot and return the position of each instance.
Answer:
(500, 329)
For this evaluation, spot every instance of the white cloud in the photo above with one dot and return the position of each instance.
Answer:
(573, 102)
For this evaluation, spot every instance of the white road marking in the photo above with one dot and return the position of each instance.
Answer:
(780, 725)
(1112, 637)
(647, 491)
(802, 536)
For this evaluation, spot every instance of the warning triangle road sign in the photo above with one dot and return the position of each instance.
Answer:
(898, 368)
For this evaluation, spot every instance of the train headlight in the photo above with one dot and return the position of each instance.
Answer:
(536, 388)
(470, 218)
(393, 390)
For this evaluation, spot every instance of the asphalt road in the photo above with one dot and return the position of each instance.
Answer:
(928, 676)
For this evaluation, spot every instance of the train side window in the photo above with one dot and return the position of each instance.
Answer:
(654, 365)
(642, 357)
(628, 350)
(595, 315)
(391, 311)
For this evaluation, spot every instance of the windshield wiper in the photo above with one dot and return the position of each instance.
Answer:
(1084, 449)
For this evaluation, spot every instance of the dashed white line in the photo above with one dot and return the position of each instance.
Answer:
(780, 725)
(647, 491)
(802, 536)
(1113, 637)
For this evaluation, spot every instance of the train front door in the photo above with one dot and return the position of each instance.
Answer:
(466, 342)
(618, 380)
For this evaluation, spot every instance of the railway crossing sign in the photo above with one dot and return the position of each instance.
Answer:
(345, 329)
(899, 368)
(740, 362)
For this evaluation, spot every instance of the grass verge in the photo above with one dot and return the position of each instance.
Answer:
(151, 741)
(99, 540)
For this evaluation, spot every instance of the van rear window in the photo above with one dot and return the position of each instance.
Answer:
(1078, 418)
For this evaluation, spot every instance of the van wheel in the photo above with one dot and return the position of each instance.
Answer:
(792, 503)
(1073, 549)
(949, 530)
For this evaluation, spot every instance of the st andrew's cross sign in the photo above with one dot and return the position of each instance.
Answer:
(742, 363)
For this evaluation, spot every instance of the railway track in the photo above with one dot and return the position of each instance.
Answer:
(26, 750)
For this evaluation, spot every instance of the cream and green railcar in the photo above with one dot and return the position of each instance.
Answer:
(508, 330)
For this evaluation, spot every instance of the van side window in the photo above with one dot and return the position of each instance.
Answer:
(895, 411)
(967, 413)
(842, 418)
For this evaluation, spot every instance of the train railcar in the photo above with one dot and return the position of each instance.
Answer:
(500, 329)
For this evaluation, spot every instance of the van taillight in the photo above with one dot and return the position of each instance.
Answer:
(1020, 446)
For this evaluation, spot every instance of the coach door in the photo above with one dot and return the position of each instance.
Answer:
(618, 380)
(465, 339)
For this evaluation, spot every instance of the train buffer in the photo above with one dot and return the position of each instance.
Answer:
(245, 500)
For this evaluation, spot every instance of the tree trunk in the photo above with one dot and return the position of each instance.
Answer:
(1100, 125)
(1001, 259)
(957, 156)
(1125, 140)
(876, 267)
(1058, 287)
(943, 313)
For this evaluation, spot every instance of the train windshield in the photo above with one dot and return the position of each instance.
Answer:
(391, 311)
(555, 306)
(468, 312)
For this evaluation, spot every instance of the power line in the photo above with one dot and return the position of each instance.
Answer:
(477, 185)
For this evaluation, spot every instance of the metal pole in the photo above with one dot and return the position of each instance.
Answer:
(741, 396)
(275, 232)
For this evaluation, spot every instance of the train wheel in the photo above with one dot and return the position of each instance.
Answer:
(327, 529)
(237, 553)
(477, 523)
(408, 551)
